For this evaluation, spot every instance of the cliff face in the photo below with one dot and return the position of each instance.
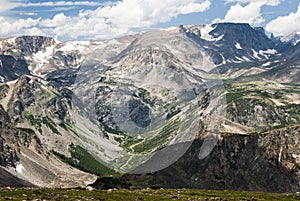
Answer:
(12, 139)
(11, 68)
(25, 45)
(266, 162)
(8, 151)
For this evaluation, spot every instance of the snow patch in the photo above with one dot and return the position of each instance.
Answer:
(223, 59)
(238, 59)
(81, 42)
(139, 137)
(219, 38)
(296, 42)
(108, 43)
(1, 79)
(75, 45)
(246, 58)
(29, 61)
(264, 53)
(20, 168)
(68, 47)
(42, 57)
(255, 54)
(173, 28)
(266, 64)
(206, 36)
(205, 32)
(44, 87)
(31, 81)
(11, 82)
(268, 51)
(97, 42)
(293, 38)
(238, 46)
(11, 40)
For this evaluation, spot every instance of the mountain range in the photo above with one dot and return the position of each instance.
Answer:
(204, 106)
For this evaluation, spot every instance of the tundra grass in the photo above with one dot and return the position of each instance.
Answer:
(146, 194)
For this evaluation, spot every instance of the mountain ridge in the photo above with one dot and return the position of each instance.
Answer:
(126, 102)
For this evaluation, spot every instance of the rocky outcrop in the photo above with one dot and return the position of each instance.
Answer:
(26, 45)
(12, 139)
(232, 42)
(267, 162)
(11, 68)
(8, 153)
(14, 54)
(249, 38)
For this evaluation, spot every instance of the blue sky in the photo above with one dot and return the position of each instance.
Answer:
(91, 19)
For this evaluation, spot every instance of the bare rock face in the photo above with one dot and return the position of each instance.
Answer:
(265, 162)
(11, 68)
(26, 45)
(8, 154)
(228, 41)
(14, 52)
(29, 45)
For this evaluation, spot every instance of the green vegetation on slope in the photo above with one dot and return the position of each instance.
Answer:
(37, 123)
(262, 105)
(160, 139)
(83, 160)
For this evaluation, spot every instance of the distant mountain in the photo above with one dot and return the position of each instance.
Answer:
(42, 54)
(233, 43)
(293, 38)
(216, 105)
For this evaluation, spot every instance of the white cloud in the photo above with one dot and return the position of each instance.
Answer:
(7, 5)
(34, 31)
(144, 13)
(121, 17)
(28, 13)
(58, 20)
(109, 20)
(64, 3)
(250, 13)
(19, 27)
(263, 2)
(285, 25)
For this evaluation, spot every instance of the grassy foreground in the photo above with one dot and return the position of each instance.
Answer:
(135, 195)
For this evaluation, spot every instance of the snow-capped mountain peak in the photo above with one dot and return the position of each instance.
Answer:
(293, 38)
